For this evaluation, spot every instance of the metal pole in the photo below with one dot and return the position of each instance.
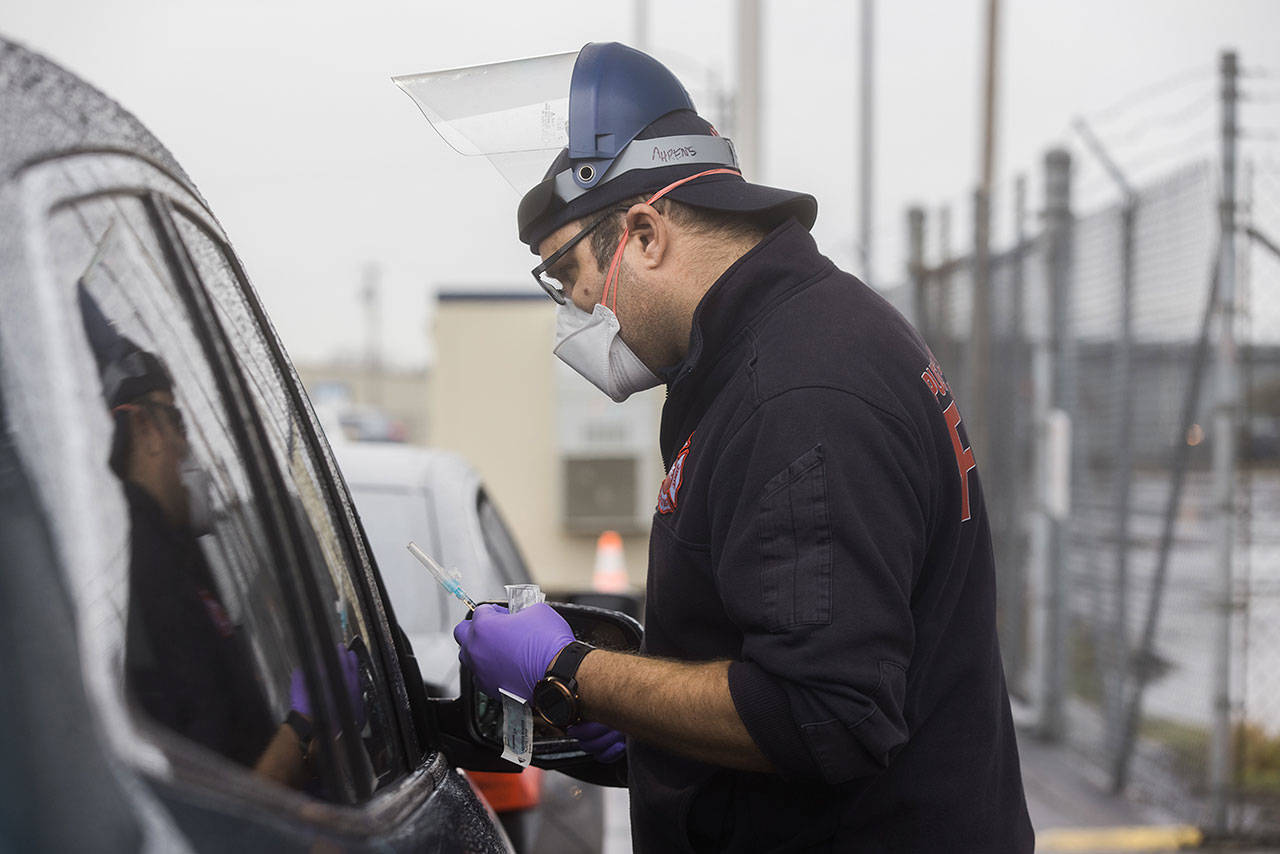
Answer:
(1013, 643)
(640, 24)
(980, 336)
(975, 384)
(1116, 677)
(866, 127)
(1224, 452)
(747, 113)
(1145, 655)
(1123, 396)
(1058, 229)
(369, 295)
(916, 273)
(940, 313)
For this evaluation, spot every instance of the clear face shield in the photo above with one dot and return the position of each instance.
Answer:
(515, 113)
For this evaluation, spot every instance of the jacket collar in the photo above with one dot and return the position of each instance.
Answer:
(753, 285)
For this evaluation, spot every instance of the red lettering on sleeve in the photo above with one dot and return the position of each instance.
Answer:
(964, 458)
(927, 376)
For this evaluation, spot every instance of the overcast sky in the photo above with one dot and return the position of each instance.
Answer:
(284, 115)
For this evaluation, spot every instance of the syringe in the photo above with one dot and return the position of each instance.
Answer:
(447, 581)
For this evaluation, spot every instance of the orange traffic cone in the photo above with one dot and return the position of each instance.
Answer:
(610, 574)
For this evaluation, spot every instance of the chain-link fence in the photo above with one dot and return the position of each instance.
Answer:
(1102, 488)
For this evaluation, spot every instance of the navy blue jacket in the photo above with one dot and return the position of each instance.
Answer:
(822, 526)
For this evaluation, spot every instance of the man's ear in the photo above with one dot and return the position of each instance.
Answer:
(652, 232)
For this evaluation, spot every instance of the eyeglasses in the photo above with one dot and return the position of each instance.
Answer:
(550, 283)
(174, 413)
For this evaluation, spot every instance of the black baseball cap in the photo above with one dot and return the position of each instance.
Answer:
(542, 211)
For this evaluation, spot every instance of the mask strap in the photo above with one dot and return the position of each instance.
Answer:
(610, 280)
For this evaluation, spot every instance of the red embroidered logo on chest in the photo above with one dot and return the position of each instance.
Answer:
(670, 492)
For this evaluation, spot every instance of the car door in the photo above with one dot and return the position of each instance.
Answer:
(220, 579)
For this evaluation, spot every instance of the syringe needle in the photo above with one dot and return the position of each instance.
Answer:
(441, 576)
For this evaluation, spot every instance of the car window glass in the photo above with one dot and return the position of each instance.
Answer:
(327, 552)
(206, 649)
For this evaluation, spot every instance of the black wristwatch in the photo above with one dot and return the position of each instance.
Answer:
(556, 694)
(301, 727)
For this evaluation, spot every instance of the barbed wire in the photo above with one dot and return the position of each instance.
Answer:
(1197, 107)
(1260, 135)
(1260, 96)
(1148, 92)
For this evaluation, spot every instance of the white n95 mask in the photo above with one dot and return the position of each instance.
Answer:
(590, 344)
(198, 483)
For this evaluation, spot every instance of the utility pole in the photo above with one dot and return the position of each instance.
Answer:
(980, 337)
(641, 25)
(747, 119)
(369, 296)
(1016, 411)
(1224, 456)
(866, 128)
(916, 273)
(944, 342)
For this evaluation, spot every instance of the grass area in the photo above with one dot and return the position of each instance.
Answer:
(1256, 751)
(1260, 757)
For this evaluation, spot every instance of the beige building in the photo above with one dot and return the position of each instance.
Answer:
(375, 399)
(562, 461)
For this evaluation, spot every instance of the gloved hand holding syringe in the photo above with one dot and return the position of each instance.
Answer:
(517, 716)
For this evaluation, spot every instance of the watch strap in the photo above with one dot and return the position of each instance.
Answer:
(301, 727)
(565, 666)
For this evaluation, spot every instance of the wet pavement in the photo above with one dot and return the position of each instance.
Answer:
(1068, 799)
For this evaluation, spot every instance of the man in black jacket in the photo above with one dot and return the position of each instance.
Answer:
(820, 667)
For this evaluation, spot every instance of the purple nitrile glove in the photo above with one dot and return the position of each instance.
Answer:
(511, 651)
(300, 697)
(606, 744)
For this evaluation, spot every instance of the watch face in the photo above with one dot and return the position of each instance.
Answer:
(554, 703)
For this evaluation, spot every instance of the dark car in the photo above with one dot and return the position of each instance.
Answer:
(198, 651)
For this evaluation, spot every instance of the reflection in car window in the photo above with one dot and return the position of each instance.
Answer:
(327, 553)
(208, 652)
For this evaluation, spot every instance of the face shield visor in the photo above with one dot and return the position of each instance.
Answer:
(576, 132)
(515, 113)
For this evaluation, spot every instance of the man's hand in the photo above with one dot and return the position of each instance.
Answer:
(511, 651)
(300, 696)
(604, 743)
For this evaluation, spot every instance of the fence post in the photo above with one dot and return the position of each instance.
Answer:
(1123, 397)
(979, 362)
(917, 274)
(940, 313)
(1014, 641)
(1224, 442)
(1054, 471)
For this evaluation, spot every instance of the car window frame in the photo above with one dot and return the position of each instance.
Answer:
(263, 475)
(158, 190)
(366, 580)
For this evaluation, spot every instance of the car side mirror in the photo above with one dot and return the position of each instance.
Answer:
(471, 724)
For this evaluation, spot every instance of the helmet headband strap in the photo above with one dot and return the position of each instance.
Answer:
(610, 282)
(652, 154)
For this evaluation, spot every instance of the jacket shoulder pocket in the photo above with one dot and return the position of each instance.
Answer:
(795, 545)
